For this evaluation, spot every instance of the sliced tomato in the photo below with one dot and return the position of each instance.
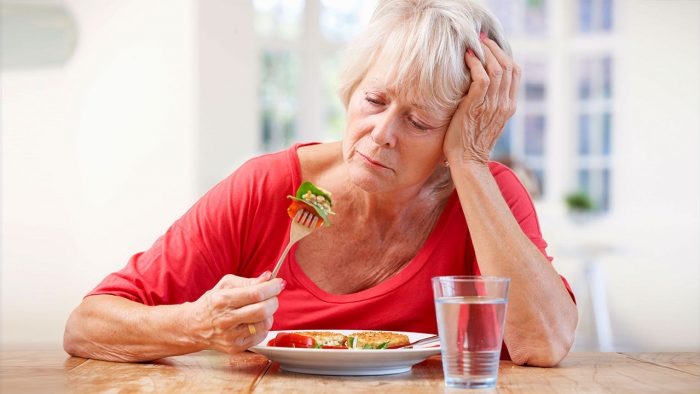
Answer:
(284, 339)
(296, 205)
(271, 342)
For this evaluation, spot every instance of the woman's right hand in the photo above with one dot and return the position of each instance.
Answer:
(219, 319)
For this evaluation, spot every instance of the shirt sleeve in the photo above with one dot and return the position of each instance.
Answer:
(520, 203)
(195, 252)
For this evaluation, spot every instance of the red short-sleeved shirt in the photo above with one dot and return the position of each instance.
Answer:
(241, 226)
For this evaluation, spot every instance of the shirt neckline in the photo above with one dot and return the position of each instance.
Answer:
(402, 277)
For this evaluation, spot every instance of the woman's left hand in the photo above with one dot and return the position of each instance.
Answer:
(483, 112)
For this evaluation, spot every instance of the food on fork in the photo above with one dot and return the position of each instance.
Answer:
(313, 199)
(334, 340)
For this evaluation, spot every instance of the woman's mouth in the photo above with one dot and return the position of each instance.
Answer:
(372, 163)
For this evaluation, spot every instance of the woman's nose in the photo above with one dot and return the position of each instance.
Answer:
(385, 129)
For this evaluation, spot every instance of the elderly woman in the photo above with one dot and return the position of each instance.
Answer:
(428, 89)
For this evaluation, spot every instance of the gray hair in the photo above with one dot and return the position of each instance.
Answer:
(424, 42)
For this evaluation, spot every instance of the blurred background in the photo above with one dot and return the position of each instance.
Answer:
(117, 115)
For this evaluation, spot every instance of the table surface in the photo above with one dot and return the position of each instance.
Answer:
(51, 370)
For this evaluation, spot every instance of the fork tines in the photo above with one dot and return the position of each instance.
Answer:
(307, 219)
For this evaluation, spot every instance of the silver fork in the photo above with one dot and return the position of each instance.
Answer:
(303, 223)
(422, 342)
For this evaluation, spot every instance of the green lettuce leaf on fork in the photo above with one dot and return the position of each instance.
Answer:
(317, 191)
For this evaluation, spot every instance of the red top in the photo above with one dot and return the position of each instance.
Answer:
(241, 227)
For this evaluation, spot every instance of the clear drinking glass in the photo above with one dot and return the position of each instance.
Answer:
(471, 312)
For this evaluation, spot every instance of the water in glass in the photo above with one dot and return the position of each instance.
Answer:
(471, 332)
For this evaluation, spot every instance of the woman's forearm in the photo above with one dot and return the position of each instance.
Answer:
(541, 318)
(113, 328)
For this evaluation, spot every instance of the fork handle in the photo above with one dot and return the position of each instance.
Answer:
(251, 327)
(281, 259)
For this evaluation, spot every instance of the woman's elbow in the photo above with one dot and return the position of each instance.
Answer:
(549, 354)
(70, 334)
(546, 357)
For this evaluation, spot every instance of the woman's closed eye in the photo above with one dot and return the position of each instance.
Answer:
(418, 125)
(374, 100)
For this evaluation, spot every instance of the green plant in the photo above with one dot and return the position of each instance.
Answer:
(579, 202)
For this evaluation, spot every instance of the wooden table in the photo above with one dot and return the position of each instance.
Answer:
(51, 370)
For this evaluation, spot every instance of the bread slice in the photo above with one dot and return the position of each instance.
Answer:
(325, 338)
(377, 340)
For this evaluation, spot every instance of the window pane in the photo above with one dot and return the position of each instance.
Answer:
(503, 144)
(585, 15)
(605, 190)
(534, 91)
(535, 16)
(521, 17)
(594, 77)
(607, 10)
(539, 178)
(506, 13)
(584, 135)
(607, 124)
(595, 15)
(584, 181)
(334, 113)
(341, 19)
(535, 76)
(606, 66)
(534, 135)
(585, 77)
(278, 18)
(279, 73)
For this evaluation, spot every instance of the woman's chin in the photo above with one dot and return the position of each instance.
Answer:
(370, 181)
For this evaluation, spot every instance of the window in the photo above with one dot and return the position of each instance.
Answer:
(593, 75)
(296, 36)
(341, 20)
(594, 128)
(523, 17)
(279, 19)
(523, 141)
(278, 100)
(278, 24)
(595, 16)
(582, 113)
(522, 144)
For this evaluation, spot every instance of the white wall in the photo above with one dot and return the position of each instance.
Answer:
(656, 285)
(226, 99)
(101, 155)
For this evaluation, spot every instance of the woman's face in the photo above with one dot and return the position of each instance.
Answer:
(390, 141)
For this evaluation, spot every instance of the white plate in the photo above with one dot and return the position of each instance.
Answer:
(346, 362)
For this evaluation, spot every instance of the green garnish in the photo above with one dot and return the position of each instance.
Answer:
(308, 186)
(323, 209)
(351, 342)
(317, 346)
(383, 345)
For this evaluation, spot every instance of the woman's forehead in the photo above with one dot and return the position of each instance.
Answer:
(382, 77)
